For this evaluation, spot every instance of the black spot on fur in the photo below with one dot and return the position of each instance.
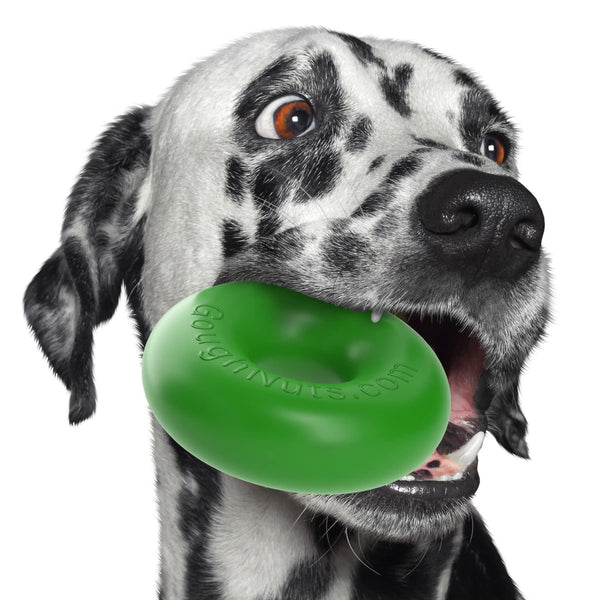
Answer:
(469, 158)
(328, 532)
(307, 580)
(362, 50)
(404, 167)
(479, 571)
(286, 245)
(377, 162)
(494, 110)
(479, 114)
(438, 56)
(195, 515)
(268, 192)
(398, 570)
(324, 88)
(378, 200)
(320, 176)
(360, 133)
(373, 203)
(420, 151)
(343, 252)
(268, 225)
(318, 79)
(463, 78)
(270, 81)
(429, 143)
(395, 88)
(305, 167)
(236, 174)
(233, 238)
(267, 188)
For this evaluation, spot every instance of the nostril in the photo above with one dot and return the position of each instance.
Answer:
(467, 218)
(526, 235)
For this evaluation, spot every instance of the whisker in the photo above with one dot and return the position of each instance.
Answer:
(472, 527)
(358, 557)
(330, 547)
(359, 544)
(328, 529)
(298, 517)
(415, 566)
(275, 209)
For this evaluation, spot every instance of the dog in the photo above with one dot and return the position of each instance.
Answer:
(373, 174)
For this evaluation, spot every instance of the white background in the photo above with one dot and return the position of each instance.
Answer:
(78, 507)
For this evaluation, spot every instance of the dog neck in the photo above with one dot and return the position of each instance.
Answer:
(225, 538)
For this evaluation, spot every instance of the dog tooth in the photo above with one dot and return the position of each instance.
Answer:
(466, 454)
(456, 476)
(376, 316)
(408, 478)
(443, 478)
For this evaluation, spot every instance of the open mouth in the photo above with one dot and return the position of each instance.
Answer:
(451, 470)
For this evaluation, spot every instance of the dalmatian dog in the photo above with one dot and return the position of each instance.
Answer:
(372, 174)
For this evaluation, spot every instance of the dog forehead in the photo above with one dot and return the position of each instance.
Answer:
(429, 84)
(207, 93)
(215, 82)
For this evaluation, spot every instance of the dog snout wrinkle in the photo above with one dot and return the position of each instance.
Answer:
(472, 219)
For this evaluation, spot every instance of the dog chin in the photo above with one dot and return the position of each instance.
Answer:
(381, 514)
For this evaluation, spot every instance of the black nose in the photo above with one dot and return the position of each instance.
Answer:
(477, 221)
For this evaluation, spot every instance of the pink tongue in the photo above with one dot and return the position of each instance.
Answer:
(463, 372)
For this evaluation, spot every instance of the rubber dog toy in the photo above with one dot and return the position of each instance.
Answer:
(289, 392)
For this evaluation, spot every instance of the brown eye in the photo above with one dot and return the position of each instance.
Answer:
(285, 118)
(492, 147)
(292, 119)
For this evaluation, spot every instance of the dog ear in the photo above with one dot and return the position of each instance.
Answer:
(79, 286)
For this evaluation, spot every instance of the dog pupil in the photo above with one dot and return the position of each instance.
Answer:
(491, 149)
(299, 121)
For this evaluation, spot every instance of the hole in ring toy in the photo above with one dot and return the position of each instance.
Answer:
(289, 392)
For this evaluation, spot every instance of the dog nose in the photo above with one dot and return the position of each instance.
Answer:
(476, 220)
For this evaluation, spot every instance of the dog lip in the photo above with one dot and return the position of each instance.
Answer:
(437, 490)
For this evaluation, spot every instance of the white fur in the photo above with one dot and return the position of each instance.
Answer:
(173, 546)
(249, 513)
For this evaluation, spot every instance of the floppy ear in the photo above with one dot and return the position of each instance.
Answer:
(78, 287)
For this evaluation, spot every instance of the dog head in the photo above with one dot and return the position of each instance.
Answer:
(376, 175)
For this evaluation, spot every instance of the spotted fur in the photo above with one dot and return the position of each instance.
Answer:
(185, 194)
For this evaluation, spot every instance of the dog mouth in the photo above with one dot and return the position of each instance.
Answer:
(451, 470)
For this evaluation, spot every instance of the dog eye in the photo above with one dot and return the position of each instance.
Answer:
(492, 147)
(285, 118)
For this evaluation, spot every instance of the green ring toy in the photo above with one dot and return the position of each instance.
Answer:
(293, 393)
